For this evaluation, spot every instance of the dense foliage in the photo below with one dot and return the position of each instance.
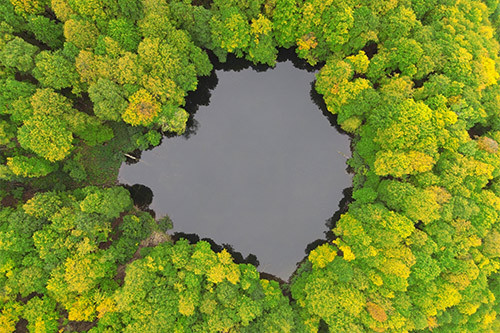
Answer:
(82, 82)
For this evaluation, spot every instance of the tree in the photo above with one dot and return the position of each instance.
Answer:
(142, 110)
(47, 136)
(230, 31)
(41, 314)
(108, 202)
(286, 20)
(81, 32)
(30, 166)
(18, 54)
(47, 31)
(54, 70)
(25, 7)
(108, 99)
(125, 33)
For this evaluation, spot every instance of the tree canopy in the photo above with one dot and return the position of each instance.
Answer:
(414, 82)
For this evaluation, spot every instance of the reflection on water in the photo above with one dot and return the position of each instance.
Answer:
(261, 166)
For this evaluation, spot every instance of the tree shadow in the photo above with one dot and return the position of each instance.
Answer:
(206, 84)
(331, 223)
(237, 256)
(320, 103)
(195, 99)
(141, 195)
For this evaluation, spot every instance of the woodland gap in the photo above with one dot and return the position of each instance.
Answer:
(261, 167)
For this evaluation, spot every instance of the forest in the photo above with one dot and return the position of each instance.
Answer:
(414, 83)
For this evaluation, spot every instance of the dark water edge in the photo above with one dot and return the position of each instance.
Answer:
(201, 99)
(142, 197)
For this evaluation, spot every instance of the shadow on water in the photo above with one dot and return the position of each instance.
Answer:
(331, 223)
(206, 84)
(143, 196)
(237, 256)
(320, 103)
(195, 99)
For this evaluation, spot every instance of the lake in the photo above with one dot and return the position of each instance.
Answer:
(261, 167)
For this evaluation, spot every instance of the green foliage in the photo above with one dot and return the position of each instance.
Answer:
(47, 31)
(125, 33)
(48, 137)
(108, 99)
(18, 54)
(54, 70)
(108, 202)
(415, 83)
(30, 166)
(193, 288)
(41, 315)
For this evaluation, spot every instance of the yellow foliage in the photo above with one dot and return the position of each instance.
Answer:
(86, 246)
(401, 163)
(489, 318)
(468, 308)
(432, 323)
(347, 91)
(351, 124)
(376, 279)
(78, 282)
(224, 257)
(447, 297)
(81, 310)
(129, 69)
(307, 42)
(492, 244)
(62, 10)
(487, 73)
(8, 321)
(395, 267)
(475, 241)
(348, 255)
(459, 280)
(376, 312)
(28, 7)
(82, 33)
(260, 26)
(322, 255)
(442, 195)
(107, 305)
(113, 48)
(359, 61)
(163, 89)
(346, 249)
(186, 306)
(225, 269)
(420, 162)
(142, 110)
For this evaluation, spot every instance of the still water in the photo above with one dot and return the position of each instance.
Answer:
(261, 168)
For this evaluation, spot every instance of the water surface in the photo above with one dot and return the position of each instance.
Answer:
(262, 168)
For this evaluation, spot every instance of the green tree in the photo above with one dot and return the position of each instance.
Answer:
(18, 54)
(47, 31)
(81, 32)
(55, 70)
(108, 98)
(108, 202)
(47, 136)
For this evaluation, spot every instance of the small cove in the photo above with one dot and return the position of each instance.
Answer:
(261, 167)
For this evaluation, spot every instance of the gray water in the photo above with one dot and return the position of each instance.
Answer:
(263, 168)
